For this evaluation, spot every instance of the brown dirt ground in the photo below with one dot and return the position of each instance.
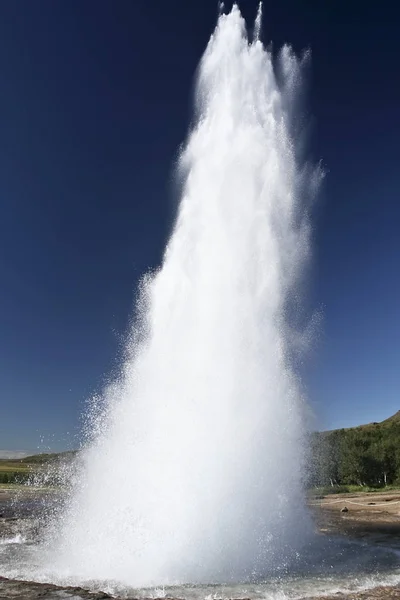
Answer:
(375, 516)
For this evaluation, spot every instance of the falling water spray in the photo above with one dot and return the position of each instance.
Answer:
(194, 473)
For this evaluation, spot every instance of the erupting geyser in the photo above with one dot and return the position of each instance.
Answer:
(194, 473)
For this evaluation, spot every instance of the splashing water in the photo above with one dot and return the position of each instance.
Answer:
(195, 470)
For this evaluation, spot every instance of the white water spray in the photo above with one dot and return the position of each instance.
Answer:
(195, 472)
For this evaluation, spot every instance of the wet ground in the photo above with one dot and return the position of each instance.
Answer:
(371, 518)
(374, 517)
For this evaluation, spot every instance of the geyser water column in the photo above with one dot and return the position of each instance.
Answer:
(194, 473)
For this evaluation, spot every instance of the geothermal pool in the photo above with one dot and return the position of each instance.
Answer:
(329, 565)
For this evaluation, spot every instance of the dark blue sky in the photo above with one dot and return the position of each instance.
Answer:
(94, 101)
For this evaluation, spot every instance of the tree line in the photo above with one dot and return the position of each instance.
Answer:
(366, 456)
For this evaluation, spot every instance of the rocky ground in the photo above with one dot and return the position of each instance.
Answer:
(27, 590)
(373, 517)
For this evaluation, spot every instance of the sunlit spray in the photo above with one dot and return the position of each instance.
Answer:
(195, 471)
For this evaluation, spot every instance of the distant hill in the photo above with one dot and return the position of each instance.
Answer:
(365, 455)
(48, 457)
(393, 419)
(39, 468)
(389, 421)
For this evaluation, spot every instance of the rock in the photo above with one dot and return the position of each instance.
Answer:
(30, 590)
(345, 509)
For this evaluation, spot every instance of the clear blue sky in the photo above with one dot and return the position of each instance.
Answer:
(95, 100)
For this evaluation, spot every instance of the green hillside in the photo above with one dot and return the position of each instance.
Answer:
(367, 455)
(31, 468)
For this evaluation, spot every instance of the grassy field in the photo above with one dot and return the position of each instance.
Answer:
(11, 465)
(21, 470)
(16, 471)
